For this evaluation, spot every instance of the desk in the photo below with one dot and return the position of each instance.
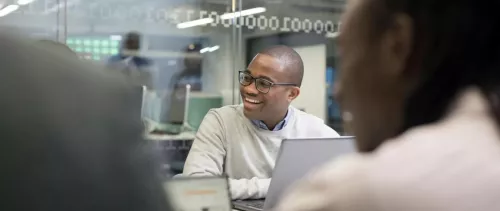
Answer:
(172, 150)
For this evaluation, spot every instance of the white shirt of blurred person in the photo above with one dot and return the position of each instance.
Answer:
(242, 141)
(138, 69)
(425, 108)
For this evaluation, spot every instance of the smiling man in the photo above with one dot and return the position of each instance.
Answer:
(242, 141)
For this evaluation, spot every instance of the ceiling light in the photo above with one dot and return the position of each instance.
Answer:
(24, 2)
(212, 49)
(243, 13)
(204, 50)
(198, 22)
(8, 9)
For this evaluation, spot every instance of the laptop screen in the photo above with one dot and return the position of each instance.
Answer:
(298, 157)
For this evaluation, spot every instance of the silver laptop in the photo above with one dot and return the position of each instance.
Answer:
(296, 158)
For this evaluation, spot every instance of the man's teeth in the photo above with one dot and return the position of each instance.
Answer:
(251, 101)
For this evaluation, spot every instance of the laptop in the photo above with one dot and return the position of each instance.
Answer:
(292, 165)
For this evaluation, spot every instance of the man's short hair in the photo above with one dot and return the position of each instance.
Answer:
(290, 59)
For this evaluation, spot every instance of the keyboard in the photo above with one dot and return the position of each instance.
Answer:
(256, 204)
(249, 205)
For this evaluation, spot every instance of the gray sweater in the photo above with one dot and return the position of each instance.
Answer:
(228, 142)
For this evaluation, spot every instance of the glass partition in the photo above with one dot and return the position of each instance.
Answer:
(200, 43)
(187, 42)
(196, 43)
(39, 19)
(310, 27)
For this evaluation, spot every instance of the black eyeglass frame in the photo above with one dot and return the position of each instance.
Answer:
(245, 72)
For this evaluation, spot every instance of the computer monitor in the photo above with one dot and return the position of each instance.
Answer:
(167, 111)
(174, 105)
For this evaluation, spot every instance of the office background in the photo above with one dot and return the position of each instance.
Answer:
(176, 31)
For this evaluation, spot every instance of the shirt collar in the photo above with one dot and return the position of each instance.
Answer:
(278, 126)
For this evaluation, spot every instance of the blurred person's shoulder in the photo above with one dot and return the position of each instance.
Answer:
(446, 160)
(449, 159)
(468, 129)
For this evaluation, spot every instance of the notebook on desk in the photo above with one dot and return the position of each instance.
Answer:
(290, 167)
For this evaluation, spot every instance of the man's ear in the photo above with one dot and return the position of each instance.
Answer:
(294, 93)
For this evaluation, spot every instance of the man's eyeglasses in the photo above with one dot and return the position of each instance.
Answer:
(263, 85)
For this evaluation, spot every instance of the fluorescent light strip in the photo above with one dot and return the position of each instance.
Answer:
(243, 13)
(198, 22)
(212, 49)
(8, 9)
(204, 50)
(24, 2)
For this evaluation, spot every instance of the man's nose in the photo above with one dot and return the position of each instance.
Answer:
(251, 89)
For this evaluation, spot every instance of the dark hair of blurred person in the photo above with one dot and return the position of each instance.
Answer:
(132, 41)
(70, 136)
(422, 56)
(419, 83)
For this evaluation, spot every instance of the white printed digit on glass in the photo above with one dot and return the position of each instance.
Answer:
(274, 26)
(262, 22)
(250, 22)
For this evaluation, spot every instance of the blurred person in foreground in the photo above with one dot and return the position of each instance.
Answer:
(57, 47)
(242, 141)
(420, 83)
(138, 69)
(70, 138)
